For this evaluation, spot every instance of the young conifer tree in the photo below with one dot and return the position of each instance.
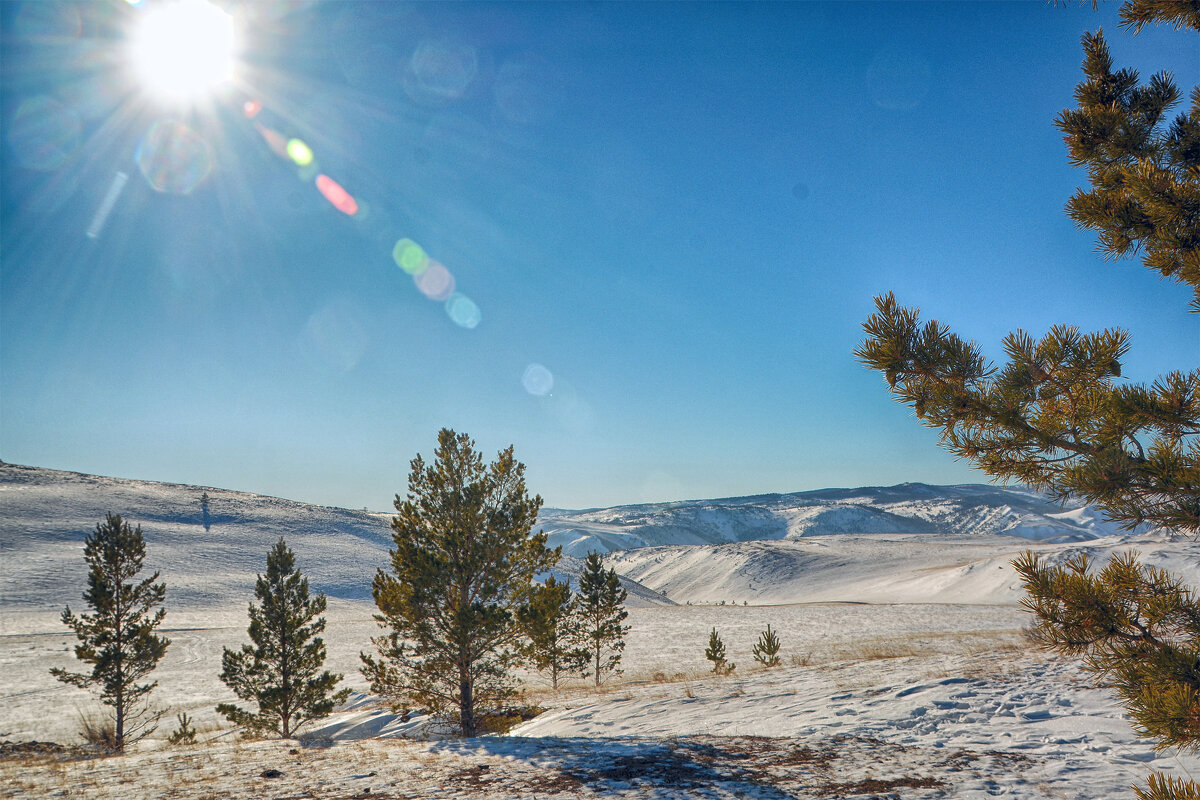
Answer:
(715, 653)
(118, 637)
(282, 672)
(1056, 417)
(552, 627)
(766, 649)
(463, 564)
(601, 612)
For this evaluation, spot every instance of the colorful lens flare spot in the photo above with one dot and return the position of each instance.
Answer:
(173, 158)
(274, 140)
(251, 108)
(409, 257)
(463, 311)
(338, 197)
(299, 152)
(435, 282)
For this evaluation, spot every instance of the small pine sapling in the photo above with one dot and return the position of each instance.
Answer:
(716, 654)
(766, 650)
(185, 734)
(282, 673)
(118, 639)
(601, 611)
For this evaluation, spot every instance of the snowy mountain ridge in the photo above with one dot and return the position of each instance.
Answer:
(908, 508)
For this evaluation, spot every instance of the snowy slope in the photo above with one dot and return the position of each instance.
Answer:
(879, 568)
(207, 561)
(906, 508)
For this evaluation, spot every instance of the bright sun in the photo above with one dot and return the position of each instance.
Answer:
(183, 49)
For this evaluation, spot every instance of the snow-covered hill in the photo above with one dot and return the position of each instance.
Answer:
(907, 508)
(209, 554)
(878, 568)
(910, 543)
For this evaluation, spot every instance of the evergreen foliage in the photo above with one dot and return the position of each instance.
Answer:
(766, 649)
(282, 672)
(1055, 416)
(715, 652)
(1137, 629)
(185, 734)
(601, 612)
(118, 638)
(462, 566)
(554, 631)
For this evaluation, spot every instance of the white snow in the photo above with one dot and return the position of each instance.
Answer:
(905, 672)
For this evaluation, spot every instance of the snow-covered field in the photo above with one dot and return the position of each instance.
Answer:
(905, 675)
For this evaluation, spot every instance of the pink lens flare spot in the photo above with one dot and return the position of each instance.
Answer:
(336, 195)
(251, 108)
(435, 282)
(274, 139)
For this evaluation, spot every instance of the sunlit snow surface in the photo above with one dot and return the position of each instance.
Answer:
(914, 669)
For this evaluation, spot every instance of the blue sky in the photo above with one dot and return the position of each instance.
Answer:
(680, 213)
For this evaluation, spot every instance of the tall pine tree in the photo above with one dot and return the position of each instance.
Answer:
(118, 637)
(462, 565)
(282, 672)
(553, 631)
(1057, 418)
(601, 612)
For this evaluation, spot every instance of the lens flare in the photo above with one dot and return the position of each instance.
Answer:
(462, 311)
(335, 337)
(440, 71)
(435, 282)
(338, 197)
(44, 133)
(106, 206)
(299, 152)
(173, 158)
(430, 277)
(410, 257)
(537, 380)
(274, 139)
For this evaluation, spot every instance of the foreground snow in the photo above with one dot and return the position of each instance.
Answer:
(872, 702)
(996, 724)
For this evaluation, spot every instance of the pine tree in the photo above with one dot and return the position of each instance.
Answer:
(716, 654)
(282, 672)
(205, 518)
(118, 638)
(463, 564)
(553, 630)
(766, 649)
(1054, 416)
(601, 612)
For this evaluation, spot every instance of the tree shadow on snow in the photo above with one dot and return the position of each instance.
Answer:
(618, 765)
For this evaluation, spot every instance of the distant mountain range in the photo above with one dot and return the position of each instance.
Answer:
(971, 509)
(906, 543)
